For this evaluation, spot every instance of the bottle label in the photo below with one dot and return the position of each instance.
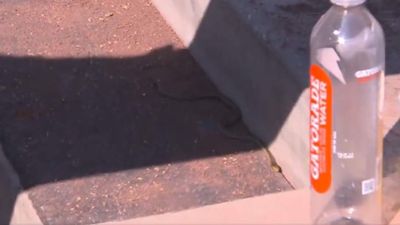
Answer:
(320, 129)
(368, 186)
(364, 76)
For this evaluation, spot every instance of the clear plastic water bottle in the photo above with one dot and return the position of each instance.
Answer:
(346, 101)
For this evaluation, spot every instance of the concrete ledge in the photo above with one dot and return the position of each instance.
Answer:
(396, 220)
(15, 206)
(9, 188)
(270, 209)
(24, 213)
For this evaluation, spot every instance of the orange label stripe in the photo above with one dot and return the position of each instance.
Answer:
(320, 129)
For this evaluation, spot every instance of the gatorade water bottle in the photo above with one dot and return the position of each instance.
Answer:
(346, 100)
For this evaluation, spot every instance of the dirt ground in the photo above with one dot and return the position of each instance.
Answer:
(86, 126)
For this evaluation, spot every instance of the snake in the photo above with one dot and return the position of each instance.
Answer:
(223, 127)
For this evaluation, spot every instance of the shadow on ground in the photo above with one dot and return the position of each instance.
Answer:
(65, 119)
(68, 118)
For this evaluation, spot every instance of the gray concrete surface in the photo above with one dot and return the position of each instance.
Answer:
(257, 54)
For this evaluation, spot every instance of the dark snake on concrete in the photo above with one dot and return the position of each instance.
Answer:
(223, 126)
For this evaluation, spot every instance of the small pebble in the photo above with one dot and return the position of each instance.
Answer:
(110, 14)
